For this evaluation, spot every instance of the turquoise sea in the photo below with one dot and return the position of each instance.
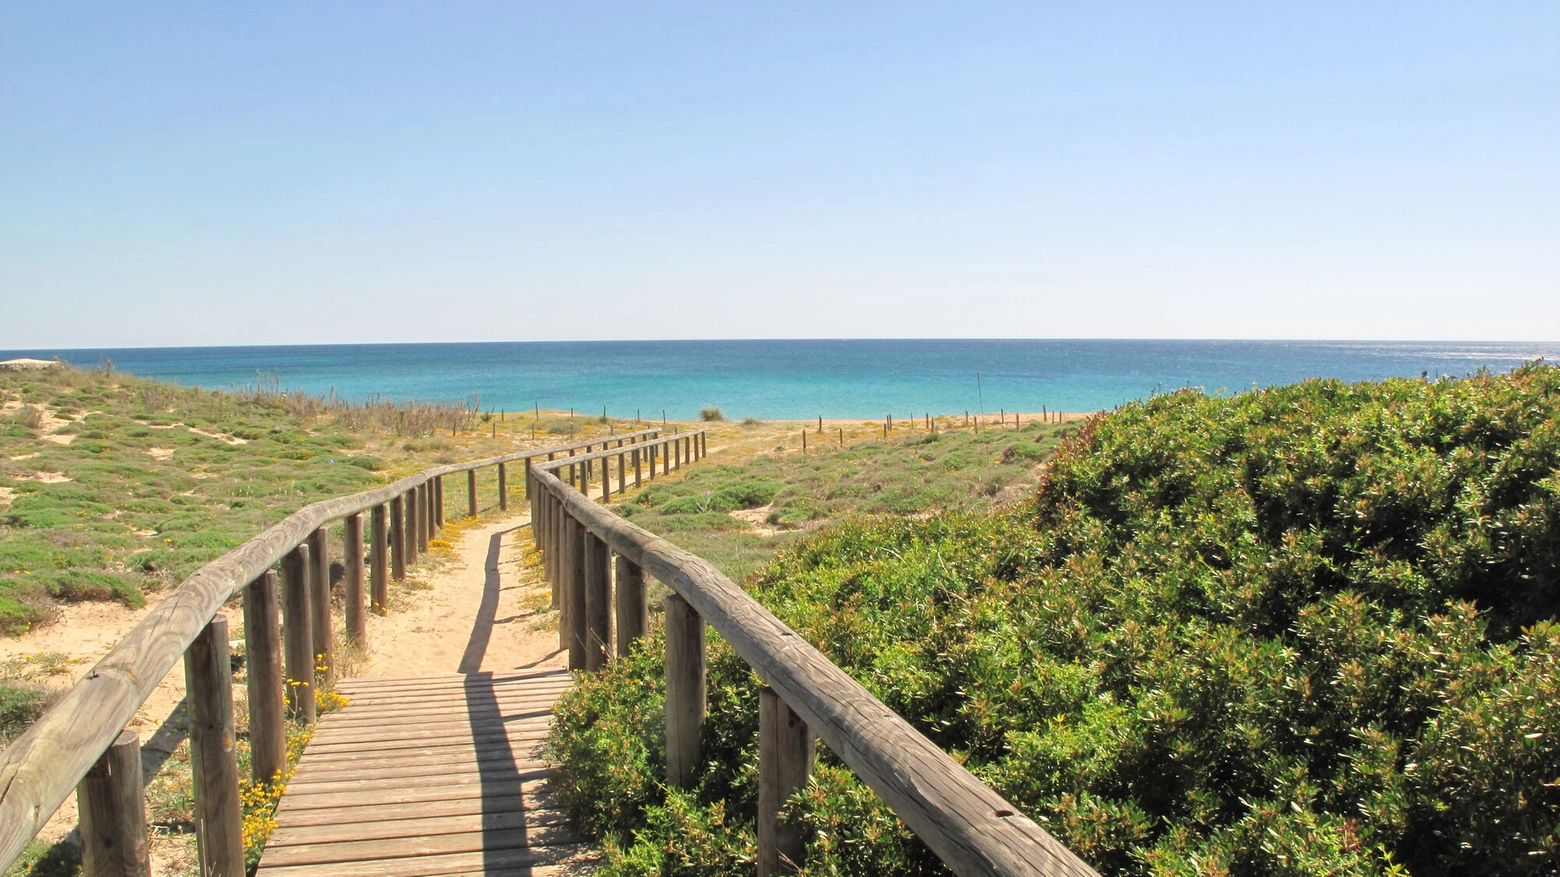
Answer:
(798, 379)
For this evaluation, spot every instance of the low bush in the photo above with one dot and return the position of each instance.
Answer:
(1302, 630)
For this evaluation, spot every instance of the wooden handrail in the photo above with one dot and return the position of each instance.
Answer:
(967, 824)
(41, 767)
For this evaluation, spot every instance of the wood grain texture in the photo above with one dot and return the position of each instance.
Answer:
(113, 813)
(297, 639)
(320, 623)
(352, 580)
(267, 685)
(219, 828)
(685, 690)
(378, 570)
(785, 761)
(633, 609)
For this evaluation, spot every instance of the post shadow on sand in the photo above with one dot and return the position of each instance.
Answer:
(487, 610)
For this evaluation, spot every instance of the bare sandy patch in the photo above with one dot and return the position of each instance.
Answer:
(220, 436)
(6, 495)
(160, 453)
(480, 608)
(25, 456)
(46, 477)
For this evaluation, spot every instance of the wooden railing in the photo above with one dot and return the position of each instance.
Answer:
(80, 742)
(964, 822)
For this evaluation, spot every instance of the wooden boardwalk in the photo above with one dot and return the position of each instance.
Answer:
(427, 775)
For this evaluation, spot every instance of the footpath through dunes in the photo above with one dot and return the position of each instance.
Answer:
(434, 767)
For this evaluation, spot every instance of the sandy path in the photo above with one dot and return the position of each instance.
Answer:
(483, 609)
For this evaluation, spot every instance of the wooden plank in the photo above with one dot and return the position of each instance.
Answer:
(416, 704)
(538, 801)
(446, 865)
(488, 783)
(444, 731)
(468, 740)
(424, 749)
(383, 797)
(423, 826)
(444, 763)
(414, 843)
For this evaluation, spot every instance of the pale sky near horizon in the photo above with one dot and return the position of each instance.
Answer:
(194, 174)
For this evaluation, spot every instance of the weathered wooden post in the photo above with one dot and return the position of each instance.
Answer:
(298, 641)
(685, 696)
(112, 811)
(319, 606)
(785, 761)
(412, 527)
(397, 538)
(352, 561)
(650, 452)
(378, 571)
(438, 507)
(598, 601)
(424, 516)
(575, 598)
(633, 612)
(503, 487)
(267, 686)
(638, 468)
(219, 827)
(622, 459)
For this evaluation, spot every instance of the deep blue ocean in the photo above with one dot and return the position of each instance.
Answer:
(798, 379)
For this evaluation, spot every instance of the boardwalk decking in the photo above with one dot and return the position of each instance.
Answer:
(427, 775)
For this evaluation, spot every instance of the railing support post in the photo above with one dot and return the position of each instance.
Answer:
(438, 507)
(319, 606)
(622, 459)
(378, 572)
(574, 600)
(113, 813)
(503, 487)
(267, 687)
(598, 599)
(218, 820)
(298, 642)
(352, 561)
(633, 613)
(637, 467)
(413, 526)
(685, 695)
(785, 761)
(471, 493)
(397, 538)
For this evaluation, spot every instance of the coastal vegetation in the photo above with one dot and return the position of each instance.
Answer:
(1295, 631)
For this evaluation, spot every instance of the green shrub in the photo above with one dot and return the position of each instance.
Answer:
(1302, 630)
(711, 414)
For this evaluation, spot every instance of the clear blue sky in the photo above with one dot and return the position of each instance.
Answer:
(289, 172)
